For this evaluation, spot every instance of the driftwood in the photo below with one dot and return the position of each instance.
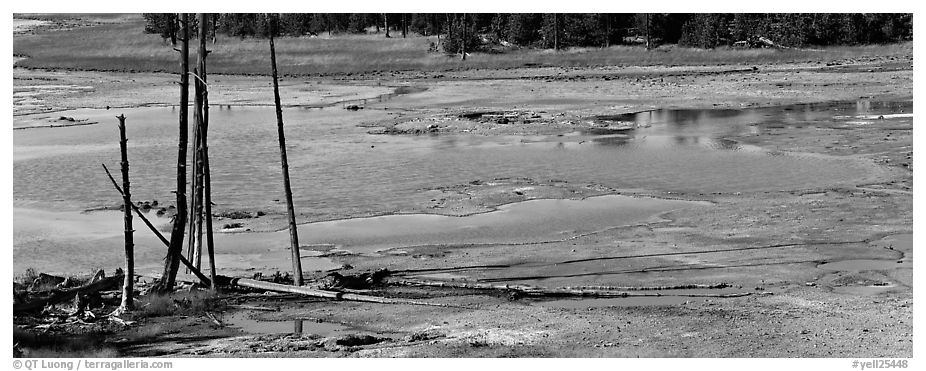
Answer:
(244, 282)
(205, 280)
(586, 291)
(58, 297)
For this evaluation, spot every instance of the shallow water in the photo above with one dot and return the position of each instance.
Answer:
(243, 321)
(335, 166)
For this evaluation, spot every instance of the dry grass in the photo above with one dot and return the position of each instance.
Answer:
(122, 46)
(178, 303)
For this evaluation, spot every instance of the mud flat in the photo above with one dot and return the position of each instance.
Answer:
(797, 191)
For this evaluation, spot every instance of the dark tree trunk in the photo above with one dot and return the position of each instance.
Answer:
(451, 23)
(293, 233)
(175, 250)
(648, 45)
(404, 26)
(463, 39)
(386, 23)
(204, 148)
(607, 32)
(128, 290)
(172, 29)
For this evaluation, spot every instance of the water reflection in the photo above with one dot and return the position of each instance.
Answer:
(707, 128)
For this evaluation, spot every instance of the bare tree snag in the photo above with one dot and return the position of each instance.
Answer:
(207, 181)
(194, 245)
(293, 232)
(128, 290)
(175, 249)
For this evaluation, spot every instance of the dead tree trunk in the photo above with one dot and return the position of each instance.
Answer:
(128, 290)
(555, 31)
(194, 246)
(204, 128)
(175, 250)
(404, 26)
(291, 213)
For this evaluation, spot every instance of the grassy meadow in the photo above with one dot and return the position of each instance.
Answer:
(119, 44)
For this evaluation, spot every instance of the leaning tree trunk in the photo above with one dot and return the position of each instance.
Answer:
(293, 233)
(128, 291)
(175, 250)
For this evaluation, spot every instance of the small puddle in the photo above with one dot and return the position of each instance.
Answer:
(243, 321)
(858, 265)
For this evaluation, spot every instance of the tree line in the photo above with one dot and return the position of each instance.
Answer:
(488, 31)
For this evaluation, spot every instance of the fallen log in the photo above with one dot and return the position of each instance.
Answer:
(254, 307)
(600, 291)
(99, 285)
(335, 295)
